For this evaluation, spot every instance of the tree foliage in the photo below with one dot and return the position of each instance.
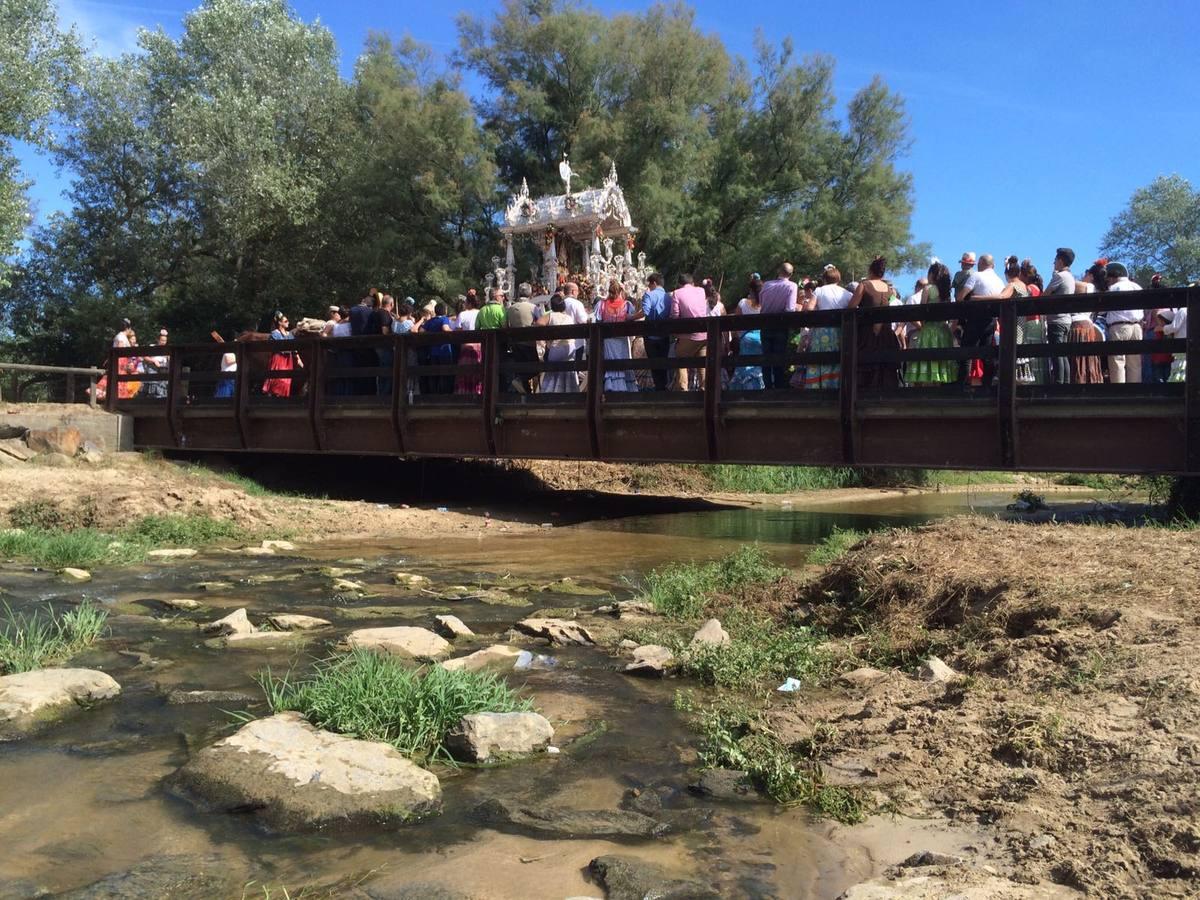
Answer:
(727, 167)
(1159, 231)
(230, 170)
(37, 61)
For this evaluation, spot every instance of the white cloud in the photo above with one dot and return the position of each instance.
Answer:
(112, 28)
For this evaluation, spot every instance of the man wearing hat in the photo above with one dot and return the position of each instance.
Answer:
(966, 270)
(1123, 325)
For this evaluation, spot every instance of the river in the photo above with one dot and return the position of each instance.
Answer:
(85, 798)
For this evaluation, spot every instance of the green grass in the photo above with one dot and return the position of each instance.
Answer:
(735, 737)
(761, 653)
(778, 479)
(795, 479)
(35, 640)
(683, 590)
(183, 531)
(836, 543)
(377, 698)
(85, 547)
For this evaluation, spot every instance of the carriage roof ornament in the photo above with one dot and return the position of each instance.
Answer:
(565, 173)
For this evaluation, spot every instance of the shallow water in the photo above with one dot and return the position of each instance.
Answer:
(85, 798)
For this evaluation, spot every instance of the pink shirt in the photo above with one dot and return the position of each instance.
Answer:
(777, 296)
(689, 302)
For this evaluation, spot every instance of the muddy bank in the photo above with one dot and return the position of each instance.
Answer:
(316, 499)
(1069, 723)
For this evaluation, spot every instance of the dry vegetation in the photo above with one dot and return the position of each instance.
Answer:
(1075, 727)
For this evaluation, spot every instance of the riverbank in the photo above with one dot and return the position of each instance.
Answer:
(1036, 681)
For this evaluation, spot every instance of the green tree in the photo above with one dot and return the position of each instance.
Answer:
(37, 61)
(415, 211)
(727, 167)
(1159, 231)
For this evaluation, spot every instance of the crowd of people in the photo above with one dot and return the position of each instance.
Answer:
(458, 369)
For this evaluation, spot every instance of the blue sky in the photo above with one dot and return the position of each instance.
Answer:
(1032, 121)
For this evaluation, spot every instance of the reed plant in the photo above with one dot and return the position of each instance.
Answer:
(378, 698)
(35, 640)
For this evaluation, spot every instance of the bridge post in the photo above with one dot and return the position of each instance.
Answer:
(110, 397)
(490, 348)
(1006, 394)
(241, 391)
(848, 386)
(399, 390)
(1192, 384)
(595, 386)
(174, 372)
(712, 385)
(316, 393)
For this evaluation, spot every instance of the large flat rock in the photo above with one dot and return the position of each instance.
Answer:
(298, 778)
(30, 699)
(401, 640)
(497, 658)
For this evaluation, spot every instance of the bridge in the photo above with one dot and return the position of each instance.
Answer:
(1120, 428)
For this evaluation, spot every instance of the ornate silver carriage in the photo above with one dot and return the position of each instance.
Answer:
(586, 237)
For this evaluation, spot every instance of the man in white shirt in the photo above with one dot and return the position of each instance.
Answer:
(978, 329)
(1123, 325)
(578, 313)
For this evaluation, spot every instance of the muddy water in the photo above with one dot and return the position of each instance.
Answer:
(85, 799)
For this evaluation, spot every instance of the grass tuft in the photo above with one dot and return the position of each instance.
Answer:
(836, 543)
(683, 590)
(377, 698)
(733, 737)
(58, 545)
(35, 640)
(761, 652)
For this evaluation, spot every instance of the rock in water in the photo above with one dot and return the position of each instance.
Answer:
(570, 823)
(295, 777)
(497, 658)
(173, 553)
(650, 660)
(627, 878)
(557, 631)
(237, 622)
(933, 669)
(296, 622)
(29, 699)
(180, 603)
(285, 546)
(711, 633)
(409, 579)
(186, 698)
(482, 736)
(268, 639)
(725, 784)
(76, 575)
(401, 640)
(177, 877)
(452, 627)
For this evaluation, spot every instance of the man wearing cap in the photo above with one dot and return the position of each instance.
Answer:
(978, 328)
(1123, 325)
(965, 271)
